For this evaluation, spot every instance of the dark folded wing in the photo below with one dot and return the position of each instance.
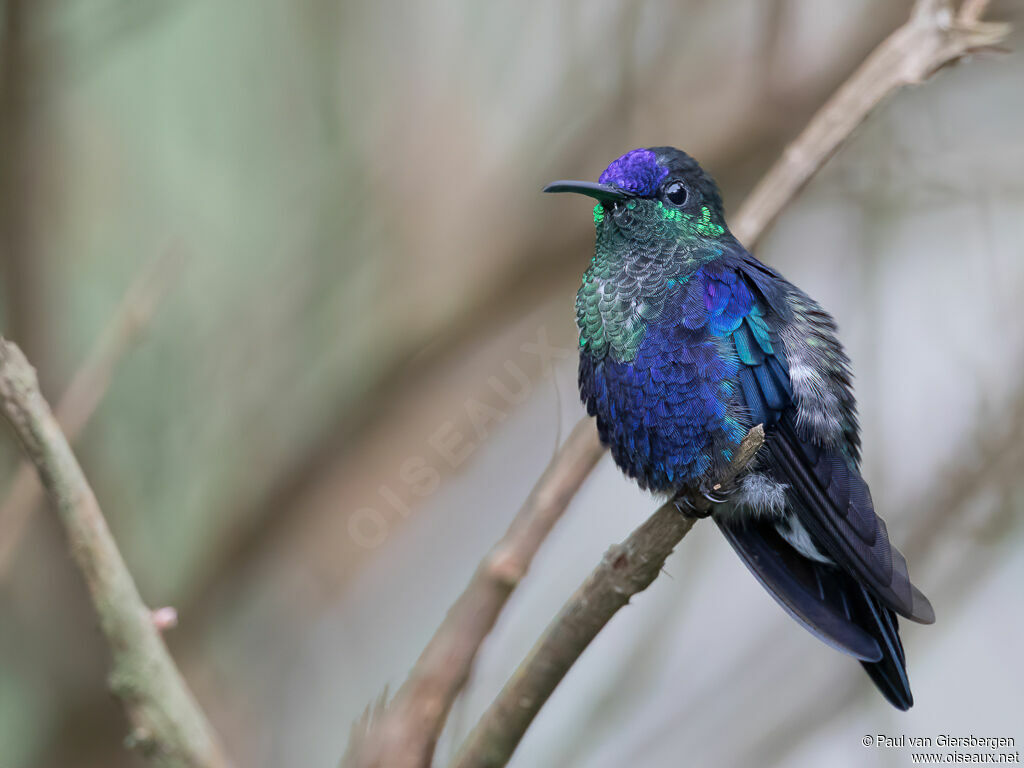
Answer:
(812, 433)
(827, 602)
(834, 504)
(810, 592)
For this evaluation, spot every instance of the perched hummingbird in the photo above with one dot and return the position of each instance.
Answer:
(686, 342)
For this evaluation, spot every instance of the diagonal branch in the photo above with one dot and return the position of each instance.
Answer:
(407, 732)
(625, 570)
(168, 727)
(933, 37)
(87, 389)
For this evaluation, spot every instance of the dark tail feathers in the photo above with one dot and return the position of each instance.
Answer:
(828, 603)
(890, 672)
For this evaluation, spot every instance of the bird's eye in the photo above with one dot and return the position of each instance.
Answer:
(676, 193)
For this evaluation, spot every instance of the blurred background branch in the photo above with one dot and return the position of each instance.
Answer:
(87, 387)
(934, 37)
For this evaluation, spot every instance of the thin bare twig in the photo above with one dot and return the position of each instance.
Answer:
(625, 570)
(168, 727)
(87, 389)
(407, 732)
(972, 10)
(931, 39)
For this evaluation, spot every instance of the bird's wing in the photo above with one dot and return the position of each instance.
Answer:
(834, 504)
(809, 591)
(831, 604)
(794, 379)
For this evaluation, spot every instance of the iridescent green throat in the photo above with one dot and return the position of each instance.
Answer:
(702, 226)
(629, 279)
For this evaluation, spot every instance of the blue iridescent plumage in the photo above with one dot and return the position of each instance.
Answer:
(669, 414)
(686, 342)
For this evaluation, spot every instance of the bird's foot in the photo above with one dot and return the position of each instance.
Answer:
(691, 503)
(687, 508)
(712, 497)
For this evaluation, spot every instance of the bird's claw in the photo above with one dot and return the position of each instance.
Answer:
(685, 502)
(712, 498)
(682, 503)
(689, 509)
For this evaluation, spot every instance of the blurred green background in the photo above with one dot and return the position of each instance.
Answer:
(356, 267)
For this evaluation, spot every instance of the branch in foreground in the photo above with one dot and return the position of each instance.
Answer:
(168, 726)
(932, 38)
(86, 390)
(625, 570)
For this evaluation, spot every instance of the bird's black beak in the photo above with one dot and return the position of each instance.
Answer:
(606, 193)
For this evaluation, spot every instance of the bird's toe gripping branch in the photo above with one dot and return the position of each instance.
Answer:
(697, 504)
(688, 508)
(700, 502)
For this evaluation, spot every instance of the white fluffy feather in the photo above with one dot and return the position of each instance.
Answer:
(757, 496)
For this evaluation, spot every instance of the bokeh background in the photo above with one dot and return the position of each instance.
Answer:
(364, 357)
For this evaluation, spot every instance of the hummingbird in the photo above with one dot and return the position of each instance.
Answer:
(687, 342)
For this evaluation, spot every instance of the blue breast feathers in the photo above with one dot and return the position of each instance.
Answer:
(676, 412)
